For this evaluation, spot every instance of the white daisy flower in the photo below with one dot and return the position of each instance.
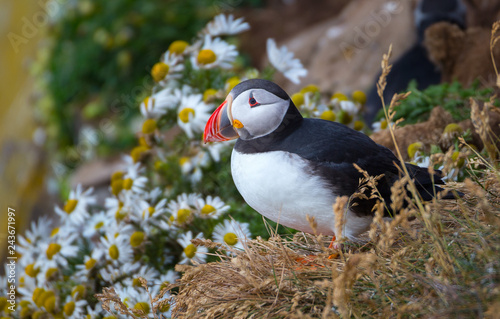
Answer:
(159, 103)
(214, 52)
(215, 149)
(75, 210)
(193, 114)
(96, 224)
(310, 103)
(166, 279)
(37, 234)
(40, 229)
(192, 166)
(422, 161)
(381, 125)
(111, 273)
(118, 249)
(154, 195)
(232, 233)
(133, 183)
(283, 61)
(74, 309)
(96, 313)
(222, 25)
(90, 262)
(191, 253)
(136, 299)
(169, 67)
(211, 207)
(147, 215)
(162, 282)
(350, 107)
(58, 251)
(146, 272)
(180, 212)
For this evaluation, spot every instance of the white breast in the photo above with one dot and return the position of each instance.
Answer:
(279, 186)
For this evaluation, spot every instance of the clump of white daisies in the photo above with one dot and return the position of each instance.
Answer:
(164, 197)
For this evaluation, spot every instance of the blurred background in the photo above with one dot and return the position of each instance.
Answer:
(72, 67)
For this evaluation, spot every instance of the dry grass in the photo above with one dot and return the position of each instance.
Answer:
(444, 263)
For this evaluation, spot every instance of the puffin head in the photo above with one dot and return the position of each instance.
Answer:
(254, 108)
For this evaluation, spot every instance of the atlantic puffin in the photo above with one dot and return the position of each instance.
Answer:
(286, 166)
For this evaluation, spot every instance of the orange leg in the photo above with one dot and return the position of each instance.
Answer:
(332, 245)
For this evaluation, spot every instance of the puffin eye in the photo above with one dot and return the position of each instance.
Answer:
(252, 101)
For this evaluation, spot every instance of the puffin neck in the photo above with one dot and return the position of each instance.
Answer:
(266, 143)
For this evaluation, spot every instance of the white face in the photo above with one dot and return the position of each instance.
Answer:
(259, 111)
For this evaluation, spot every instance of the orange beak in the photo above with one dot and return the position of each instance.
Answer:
(219, 127)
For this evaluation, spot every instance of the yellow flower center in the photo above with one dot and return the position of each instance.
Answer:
(136, 282)
(328, 115)
(309, 88)
(183, 215)
(116, 176)
(414, 148)
(231, 239)
(232, 82)
(165, 307)
(89, 264)
(459, 161)
(146, 101)
(3, 302)
(298, 99)
(208, 94)
(53, 249)
(31, 271)
(136, 239)
(137, 153)
(39, 314)
(190, 251)
(54, 231)
(144, 306)
(159, 71)
(206, 56)
(207, 210)
(99, 225)
(383, 124)
(177, 47)
(69, 308)
(127, 184)
(78, 292)
(143, 142)
(184, 114)
(51, 273)
(113, 251)
(339, 96)
(70, 205)
(119, 215)
(116, 187)
(183, 160)
(452, 129)
(149, 126)
(151, 211)
(359, 125)
(37, 293)
(164, 284)
(359, 96)
(344, 117)
(50, 303)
